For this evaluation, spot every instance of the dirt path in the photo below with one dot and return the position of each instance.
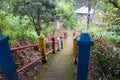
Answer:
(62, 67)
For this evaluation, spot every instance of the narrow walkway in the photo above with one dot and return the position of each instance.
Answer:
(62, 67)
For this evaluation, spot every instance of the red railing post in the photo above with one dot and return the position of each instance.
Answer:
(73, 34)
(65, 35)
(53, 43)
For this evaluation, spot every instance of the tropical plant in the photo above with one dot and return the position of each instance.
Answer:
(112, 15)
(38, 11)
(109, 61)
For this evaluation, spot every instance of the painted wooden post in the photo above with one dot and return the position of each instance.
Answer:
(53, 43)
(59, 43)
(43, 48)
(58, 39)
(84, 43)
(75, 49)
(6, 60)
(61, 40)
(65, 35)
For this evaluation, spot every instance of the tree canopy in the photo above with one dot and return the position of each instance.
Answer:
(38, 11)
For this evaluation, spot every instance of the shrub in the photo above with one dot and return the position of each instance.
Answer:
(109, 61)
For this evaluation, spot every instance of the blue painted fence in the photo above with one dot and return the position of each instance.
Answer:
(84, 43)
(6, 60)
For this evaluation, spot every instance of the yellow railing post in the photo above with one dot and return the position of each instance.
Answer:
(75, 49)
(42, 47)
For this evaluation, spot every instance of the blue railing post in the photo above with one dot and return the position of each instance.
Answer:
(84, 42)
(6, 60)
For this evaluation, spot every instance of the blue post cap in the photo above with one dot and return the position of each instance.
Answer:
(3, 38)
(84, 39)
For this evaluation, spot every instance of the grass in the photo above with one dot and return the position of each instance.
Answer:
(110, 37)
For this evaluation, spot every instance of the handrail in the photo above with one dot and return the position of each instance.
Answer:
(49, 51)
(29, 64)
(28, 46)
(23, 47)
(10, 73)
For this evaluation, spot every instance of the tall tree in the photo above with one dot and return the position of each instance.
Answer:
(38, 11)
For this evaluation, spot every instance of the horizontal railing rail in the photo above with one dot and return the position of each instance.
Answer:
(24, 47)
(29, 46)
(10, 71)
(28, 65)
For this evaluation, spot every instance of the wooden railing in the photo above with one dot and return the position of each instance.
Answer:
(33, 45)
(7, 64)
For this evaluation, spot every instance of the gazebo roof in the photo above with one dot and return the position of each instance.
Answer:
(84, 10)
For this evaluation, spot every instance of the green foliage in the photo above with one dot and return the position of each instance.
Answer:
(100, 6)
(3, 21)
(16, 27)
(111, 10)
(4, 5)
(109, 64)
(102, 52)
(21, 18)
(109, 61)
(65, 10)
(111, 37)
(47, 30)
(38, 11)
(114, 24)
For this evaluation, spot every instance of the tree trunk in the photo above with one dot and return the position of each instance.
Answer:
(38, 29)
(38, 25)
